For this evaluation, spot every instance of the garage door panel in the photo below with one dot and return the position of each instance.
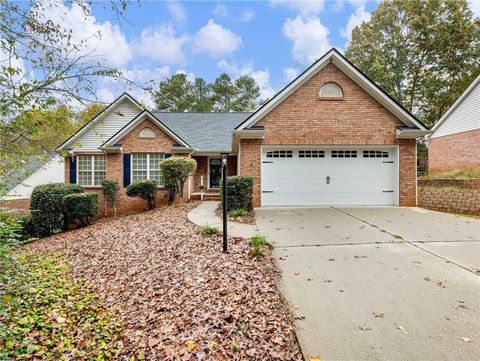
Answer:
(330, 181)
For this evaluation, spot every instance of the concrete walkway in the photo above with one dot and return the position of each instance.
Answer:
(205, 214)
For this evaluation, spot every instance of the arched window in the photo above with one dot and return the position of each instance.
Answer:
(331, 90)
(147, 133)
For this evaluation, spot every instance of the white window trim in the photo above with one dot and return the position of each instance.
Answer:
(148, 167)
(92, 159)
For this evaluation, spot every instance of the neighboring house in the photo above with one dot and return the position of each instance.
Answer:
(19, 187)
(330, 137)
(455, 142)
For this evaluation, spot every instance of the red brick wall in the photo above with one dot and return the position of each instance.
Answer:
(250, 165)
(450, 195)
(408, 172)
(22, 204)
(357, 119)
(131, 143)
(454, 151)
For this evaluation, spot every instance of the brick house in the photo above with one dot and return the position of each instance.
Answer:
(330, 137)
(455, 141)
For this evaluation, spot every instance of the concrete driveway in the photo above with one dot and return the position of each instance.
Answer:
(379, 283)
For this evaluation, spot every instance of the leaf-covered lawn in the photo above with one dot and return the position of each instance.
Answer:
(179, 296)
(46, 314)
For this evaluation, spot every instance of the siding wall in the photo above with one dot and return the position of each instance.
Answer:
(465, 117)
(106, 127)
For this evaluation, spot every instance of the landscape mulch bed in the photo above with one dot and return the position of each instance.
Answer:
(179, 296)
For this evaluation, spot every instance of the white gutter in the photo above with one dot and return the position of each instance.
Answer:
(411, 133)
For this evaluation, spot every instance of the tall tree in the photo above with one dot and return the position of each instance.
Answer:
(179, 94)
(174, 94)
(42, 66)
(246, 95)
(201, 96)
(422, 52)
(224, 93)
(36, 133)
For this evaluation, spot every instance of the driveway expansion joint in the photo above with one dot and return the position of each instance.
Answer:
(412, 243)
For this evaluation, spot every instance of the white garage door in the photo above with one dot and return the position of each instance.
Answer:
(329, 176)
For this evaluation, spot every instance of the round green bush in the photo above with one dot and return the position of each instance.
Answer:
(80, 207)
(145, 189)
(46, 205)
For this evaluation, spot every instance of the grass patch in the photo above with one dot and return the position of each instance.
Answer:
(461, 172)
(45, 314)
(209, 230)
(235, 213)
(259, 245)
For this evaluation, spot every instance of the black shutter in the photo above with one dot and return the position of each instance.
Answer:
(73, 170)
(168, 155)
(126, 169)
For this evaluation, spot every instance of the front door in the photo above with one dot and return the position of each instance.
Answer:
(215, 173)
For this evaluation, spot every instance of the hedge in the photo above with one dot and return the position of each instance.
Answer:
(80, 207)
(145, 189)
(239, 193)
(46, 205)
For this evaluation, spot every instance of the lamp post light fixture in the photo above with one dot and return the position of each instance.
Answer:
(224, 200)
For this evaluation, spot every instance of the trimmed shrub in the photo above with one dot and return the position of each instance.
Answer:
(239, 193)
(46, 205)
(110, 189)
(81, 207)
(175, 171)
(145, 189)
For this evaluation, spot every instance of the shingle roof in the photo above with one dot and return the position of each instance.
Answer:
(204, 132)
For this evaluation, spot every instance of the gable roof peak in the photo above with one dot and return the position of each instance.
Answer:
(340, 61)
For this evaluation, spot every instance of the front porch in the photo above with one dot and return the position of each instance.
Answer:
(208, 176)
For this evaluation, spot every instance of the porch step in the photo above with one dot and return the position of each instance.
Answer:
(206, 196)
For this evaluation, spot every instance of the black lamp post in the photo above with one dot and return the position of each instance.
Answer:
(224, 201)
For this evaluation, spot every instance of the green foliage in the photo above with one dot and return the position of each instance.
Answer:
(46, 205)
(423, 53)
(175, 171)
(179, 94)
(239, 193)
(209, 230)
(48, 315)
(235, 213)
(259, 245)
(145, 189)
(64, 72)
(110, 188)
(10, 229)
(80, 207)
(258, 240)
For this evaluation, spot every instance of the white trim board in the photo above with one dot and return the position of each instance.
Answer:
(134, 122)
(99, 116)
(333, 56)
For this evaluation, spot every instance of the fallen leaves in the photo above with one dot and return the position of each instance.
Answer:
(364, 328)
(179, 296)
(441, 283)
(466, 339)
(399, 327)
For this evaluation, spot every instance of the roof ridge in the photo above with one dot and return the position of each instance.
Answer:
(164, 112)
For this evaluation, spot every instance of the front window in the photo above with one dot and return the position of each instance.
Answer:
(92, 169)
(147, 166)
